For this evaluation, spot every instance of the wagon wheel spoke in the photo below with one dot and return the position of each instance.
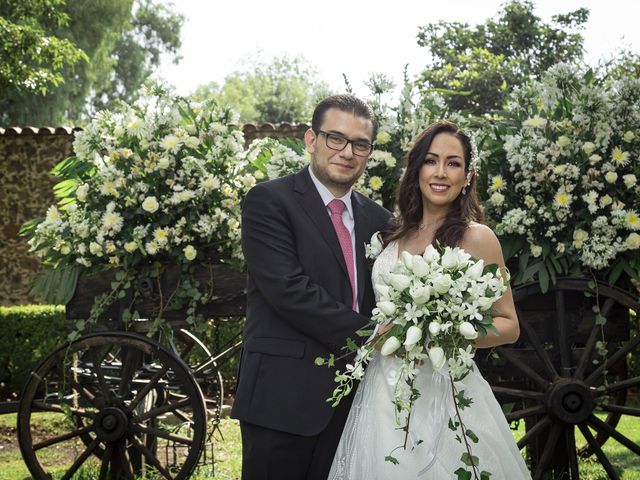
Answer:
(39, 406)
(563, 339)
(128, 370)
(525, 412)
(151, 458)
(605, 427)
(154, 412)
(104, 464)
(549, 450)
(104, 388)
(608, 407)
(537, 346)
(85, 393)
(162, 434)
(534, 432)
(523, 367)
(622, 385)
(573, 453)
(125, 461)
(517, 393)
(62, 438)
(613, 359)
(598, 451)
(152, 383)
(588, 349)
(81, 459)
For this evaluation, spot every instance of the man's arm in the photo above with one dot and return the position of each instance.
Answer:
(272, 261)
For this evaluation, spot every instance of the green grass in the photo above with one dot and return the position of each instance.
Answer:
(228, 453)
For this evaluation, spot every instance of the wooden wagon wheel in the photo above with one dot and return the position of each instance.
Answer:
(558, 377)
(121, 405)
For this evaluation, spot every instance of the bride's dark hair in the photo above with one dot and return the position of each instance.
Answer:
(464, 209)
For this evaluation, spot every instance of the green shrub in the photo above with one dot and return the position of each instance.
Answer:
(27, 334)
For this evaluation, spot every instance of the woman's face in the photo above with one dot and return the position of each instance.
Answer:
(442, 175)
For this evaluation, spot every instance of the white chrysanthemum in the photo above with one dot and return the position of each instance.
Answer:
(535, 122)
(151, 248)
(53, 216)
(170, 143)
(497, 183)
(631, 220)
(562, 199)
(112, 222)
(497, 199)
(375, 183)
(82, 191)
(189, 252)
(192, 142)
(595, 158)
(161, 236)
(536, 250)
(620, 157)
(164, 163)
(130, 247)
(383, 137)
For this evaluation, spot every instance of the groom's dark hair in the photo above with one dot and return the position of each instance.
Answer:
(344, 103)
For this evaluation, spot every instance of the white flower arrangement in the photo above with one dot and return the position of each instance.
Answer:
(436, 304)
(158, 181)
(560, 176)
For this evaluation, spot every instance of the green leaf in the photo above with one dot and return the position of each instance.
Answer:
(319, 361)
(484, 475)
(462, 474)
(469, 460)
(391, 459)
(543, 278)
(471, 435)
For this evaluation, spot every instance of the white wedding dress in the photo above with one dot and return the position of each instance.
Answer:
(371, 432)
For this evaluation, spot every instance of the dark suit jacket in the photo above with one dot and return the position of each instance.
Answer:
(298, 302)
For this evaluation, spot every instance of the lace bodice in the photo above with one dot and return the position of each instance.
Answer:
(385, 261)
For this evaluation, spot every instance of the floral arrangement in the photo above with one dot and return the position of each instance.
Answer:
(154, 183)
(561, 176)
(436, 305)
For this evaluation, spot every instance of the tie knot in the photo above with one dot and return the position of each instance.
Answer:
(336, 206)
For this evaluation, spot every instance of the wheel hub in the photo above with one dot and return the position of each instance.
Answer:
(111, 424)
(570, 401)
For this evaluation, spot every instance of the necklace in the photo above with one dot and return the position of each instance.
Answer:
(422, 226)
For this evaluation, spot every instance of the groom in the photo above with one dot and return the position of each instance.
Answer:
(308, 289)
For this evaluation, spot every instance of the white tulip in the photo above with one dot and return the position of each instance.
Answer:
(468, 331)
(434, 329)
(383, 290)
(430, 254)
(475, 271)
(449, 259)
(407, 259)
(414, 334)
(387, 308)
(420, 267)
(398, 281)
(437, 357)
(390, 346)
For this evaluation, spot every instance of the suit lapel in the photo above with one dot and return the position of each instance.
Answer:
(311, 202)
(361, 228)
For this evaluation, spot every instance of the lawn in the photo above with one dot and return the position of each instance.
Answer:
(227, 453)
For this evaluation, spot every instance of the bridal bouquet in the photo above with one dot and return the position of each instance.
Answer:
(434, 305)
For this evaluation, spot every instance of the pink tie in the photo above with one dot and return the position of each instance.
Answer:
(336, 207)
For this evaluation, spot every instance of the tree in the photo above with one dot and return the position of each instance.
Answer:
(476, 67)
(32, 57)
(283, 90)
(123, 40)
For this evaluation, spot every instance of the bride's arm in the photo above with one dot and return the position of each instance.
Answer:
(480, 242)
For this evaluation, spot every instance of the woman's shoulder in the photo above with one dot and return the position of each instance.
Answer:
(480, 241)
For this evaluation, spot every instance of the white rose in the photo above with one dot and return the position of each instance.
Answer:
(475, 271)
(130, 246)
(563, 141)
(163, 163)
(150, 204)
(420, 294)
(536, 250)
(189, 252)
(611, 177)
(633, 241)
(434, 329)
(442, 283)
(387, 308)
(398, 281)
(467, 331)
(436, 355)
(628, 136)
(629, 180)
(390, 345)
(497, 199)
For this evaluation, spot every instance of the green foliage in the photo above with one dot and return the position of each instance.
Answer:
(32, 56)
(29, 333)
(476, 67)
(123, 41)
(282, 90)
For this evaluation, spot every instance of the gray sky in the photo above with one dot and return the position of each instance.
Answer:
(356, 37)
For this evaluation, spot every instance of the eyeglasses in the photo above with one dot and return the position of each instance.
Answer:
(339, 143)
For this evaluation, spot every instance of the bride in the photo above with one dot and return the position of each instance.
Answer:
(437, 202)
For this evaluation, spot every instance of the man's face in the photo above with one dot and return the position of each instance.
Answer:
(338, 170)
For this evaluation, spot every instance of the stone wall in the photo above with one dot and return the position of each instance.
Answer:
(27, 156)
